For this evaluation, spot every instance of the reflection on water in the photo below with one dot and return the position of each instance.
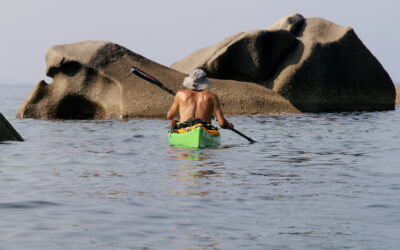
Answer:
(192, 168)
(187, 154)
(202, 173)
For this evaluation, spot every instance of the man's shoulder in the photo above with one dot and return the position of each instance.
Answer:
(210, 94)
(184, 91)
(190, 92)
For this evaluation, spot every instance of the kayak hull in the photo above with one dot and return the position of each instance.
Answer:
(196, 138)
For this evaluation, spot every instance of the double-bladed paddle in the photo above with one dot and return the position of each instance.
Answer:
(153, 80)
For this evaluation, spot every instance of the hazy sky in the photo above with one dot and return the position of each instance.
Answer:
(166, 31)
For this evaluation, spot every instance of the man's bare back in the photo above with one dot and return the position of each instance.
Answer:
(200, 104)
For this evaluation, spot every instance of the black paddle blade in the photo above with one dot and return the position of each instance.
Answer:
(151, 79)
(145, 76)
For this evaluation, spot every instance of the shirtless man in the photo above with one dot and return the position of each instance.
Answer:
(196, 102)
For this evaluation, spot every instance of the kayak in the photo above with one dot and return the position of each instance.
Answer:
(195, 137)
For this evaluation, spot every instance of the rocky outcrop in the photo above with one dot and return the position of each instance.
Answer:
(247, 56)
(326, 68)
(292, 23)
(7, 132)
(92, 80)
(330, 69)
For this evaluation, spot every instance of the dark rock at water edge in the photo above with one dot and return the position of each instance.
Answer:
(319, 66)
(92, 80)
(7, 131)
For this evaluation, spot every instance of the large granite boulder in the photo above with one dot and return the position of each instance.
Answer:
(292, 23)
(7, 131)
(247, 56)
(92, 80)
(327, 68)
(331, 69)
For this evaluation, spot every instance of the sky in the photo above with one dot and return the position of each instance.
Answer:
(167, 31)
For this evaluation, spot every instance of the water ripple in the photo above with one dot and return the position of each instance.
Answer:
(27, 205)
(312, 181)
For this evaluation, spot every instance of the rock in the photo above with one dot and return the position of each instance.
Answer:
(7, 132)
(92, 80)
(292, 23)
(330, 69)
(247, 56)
(326, 68)
(398, 96)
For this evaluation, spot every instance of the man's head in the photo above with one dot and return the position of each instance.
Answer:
(196, 80)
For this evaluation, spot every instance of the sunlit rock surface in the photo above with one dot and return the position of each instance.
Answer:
(92, 80)
(320, 66)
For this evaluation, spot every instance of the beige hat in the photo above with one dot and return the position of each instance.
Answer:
(196, 80)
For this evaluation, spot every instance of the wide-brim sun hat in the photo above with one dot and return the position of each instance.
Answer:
(196, 80)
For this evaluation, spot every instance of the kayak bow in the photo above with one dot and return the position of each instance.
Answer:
(195, 138)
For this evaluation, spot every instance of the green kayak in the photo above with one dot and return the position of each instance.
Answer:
(196, 138)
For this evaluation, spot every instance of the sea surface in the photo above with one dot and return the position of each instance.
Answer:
(312, 181)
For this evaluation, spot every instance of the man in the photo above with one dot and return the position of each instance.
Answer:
(196, 103)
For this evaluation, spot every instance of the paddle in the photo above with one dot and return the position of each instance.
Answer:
(153, 80)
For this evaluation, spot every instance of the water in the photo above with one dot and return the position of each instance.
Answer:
(313, 181)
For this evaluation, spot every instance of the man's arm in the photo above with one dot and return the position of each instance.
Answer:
(219, 115)
(174, 108)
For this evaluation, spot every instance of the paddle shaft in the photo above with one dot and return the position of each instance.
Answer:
(242, 135)
(153, 80)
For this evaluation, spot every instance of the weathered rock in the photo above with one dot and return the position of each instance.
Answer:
(330, 69)
(247, 56)
(7, 131)
(292, 23)
(92, 80)
(327, 68)
(398, 96)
